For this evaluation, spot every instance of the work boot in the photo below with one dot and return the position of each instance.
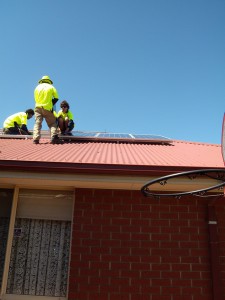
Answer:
(56, 140)
(36, 142)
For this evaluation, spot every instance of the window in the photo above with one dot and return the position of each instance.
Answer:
(39, 260)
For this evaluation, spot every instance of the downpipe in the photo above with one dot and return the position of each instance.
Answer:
(214, 253)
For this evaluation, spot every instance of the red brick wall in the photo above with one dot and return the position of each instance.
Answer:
(129, 247)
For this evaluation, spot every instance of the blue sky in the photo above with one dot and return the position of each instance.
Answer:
(125, 66)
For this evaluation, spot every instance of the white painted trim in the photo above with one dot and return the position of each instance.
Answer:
(72, 181)
(56, 207)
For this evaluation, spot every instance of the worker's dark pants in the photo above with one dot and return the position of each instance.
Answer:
(11, 130)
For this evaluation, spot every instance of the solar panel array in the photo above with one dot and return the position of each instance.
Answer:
(98, 136)
(120, 137)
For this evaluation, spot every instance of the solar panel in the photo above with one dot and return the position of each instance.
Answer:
(114, 135)
(150, 137)
(84, 134)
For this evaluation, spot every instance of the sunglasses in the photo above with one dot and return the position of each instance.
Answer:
(63, 106)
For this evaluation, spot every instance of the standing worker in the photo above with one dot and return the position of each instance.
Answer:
(46, 96)
(17, 123)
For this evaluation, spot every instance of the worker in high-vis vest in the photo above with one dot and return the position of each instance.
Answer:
(17, 123)
(65, 119)
(46, 96)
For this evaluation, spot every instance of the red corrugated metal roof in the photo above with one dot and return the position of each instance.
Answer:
(178, 154)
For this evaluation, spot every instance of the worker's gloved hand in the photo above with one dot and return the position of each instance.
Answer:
(23, 132)
(24, 128)
(16, 125)
(71, 125)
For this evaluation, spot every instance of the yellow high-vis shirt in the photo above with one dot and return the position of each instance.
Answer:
(43, 95)
(64, 115)
(20, 118)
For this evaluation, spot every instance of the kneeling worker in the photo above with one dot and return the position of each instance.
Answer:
(65, 118)
(17, 123)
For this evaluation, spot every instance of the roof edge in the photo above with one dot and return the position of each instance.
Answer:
(50, 167)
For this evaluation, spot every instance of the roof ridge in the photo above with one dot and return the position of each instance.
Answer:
(197, 143)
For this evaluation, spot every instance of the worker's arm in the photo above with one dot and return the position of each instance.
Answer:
(24, 130)
(54, 101)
